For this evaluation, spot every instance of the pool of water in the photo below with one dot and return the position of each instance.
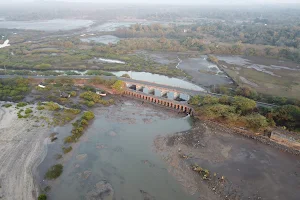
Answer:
(160, 79)
(204, 72)
(47, 25)
(104, 39)
(117, 149)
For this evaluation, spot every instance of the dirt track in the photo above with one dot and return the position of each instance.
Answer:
(21, 150)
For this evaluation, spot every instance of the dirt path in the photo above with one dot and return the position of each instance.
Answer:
(21, 148)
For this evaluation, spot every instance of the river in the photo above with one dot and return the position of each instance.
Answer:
(160, 79)
(116, 151)
(46, 25)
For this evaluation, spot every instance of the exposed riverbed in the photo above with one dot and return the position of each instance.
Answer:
(116, 153)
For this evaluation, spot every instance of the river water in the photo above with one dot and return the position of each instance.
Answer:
(160, 79)
(47, 25)
(117, 150)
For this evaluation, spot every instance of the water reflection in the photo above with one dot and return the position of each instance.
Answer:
(160, 79)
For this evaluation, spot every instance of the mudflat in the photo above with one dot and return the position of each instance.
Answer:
(21, 150)
(251, 169)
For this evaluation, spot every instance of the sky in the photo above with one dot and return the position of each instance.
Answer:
(171, 1)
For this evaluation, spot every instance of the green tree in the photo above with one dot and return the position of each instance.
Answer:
(256, 121)
(243, 104)
(119, 86)
(287, 115)
(88, 115)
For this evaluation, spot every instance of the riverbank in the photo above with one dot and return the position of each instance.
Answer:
(239, 168)
(22, 149)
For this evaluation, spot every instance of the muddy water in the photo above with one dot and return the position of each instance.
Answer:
(117, 150)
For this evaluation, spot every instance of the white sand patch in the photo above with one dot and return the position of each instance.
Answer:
(5, 44)
(111, 61)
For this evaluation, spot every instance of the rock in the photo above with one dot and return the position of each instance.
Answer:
(146, 195)
(102, 190)
(101, 146)
(112, 134)
(81, 156)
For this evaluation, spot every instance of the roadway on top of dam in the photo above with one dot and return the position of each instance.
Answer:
(146, 83)
(132, 81)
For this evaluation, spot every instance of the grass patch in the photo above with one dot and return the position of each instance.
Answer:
(42, 197)
(7, 105)
(28, 111)
(54, 172)
(21, 104)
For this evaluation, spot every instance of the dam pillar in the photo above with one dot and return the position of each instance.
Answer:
(164, 93)
(176, 95)
(139, 88)
(151, 90)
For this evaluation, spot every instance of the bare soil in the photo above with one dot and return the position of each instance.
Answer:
(251, 169)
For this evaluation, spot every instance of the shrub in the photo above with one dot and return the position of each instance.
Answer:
(125, 76)
(73, 94)
(256, 121)
(224, 100)
(21, 104)
(195, 100)
(243, 104)
(28, 111)
(89, 103)
(217, 111)
(288, 116)
(52, 106)
(90, 96)
(42, 197)
(88, 115)
(54, 172)
(7, 105)
(40, 107)
(67, 149)
(210, 100)
(119, 86)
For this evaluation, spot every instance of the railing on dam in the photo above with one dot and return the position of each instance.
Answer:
(160, 101)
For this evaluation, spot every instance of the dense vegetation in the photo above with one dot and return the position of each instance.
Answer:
(242, 112)
(238, 111)
(13, 89)
(79, 126)
(250, 93)
(92, 98)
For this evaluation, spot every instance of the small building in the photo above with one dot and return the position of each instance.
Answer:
(65, 95)
(103, 94)
(41, 85)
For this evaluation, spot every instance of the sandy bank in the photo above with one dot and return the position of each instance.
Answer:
(21, 149)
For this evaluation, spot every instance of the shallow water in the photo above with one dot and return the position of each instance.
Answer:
(204, 72)
(47, 25)
(104, 39)
(265, 65)
(118, 149)
(160, 79)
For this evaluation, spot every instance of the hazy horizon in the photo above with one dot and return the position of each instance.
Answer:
(169, 2)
